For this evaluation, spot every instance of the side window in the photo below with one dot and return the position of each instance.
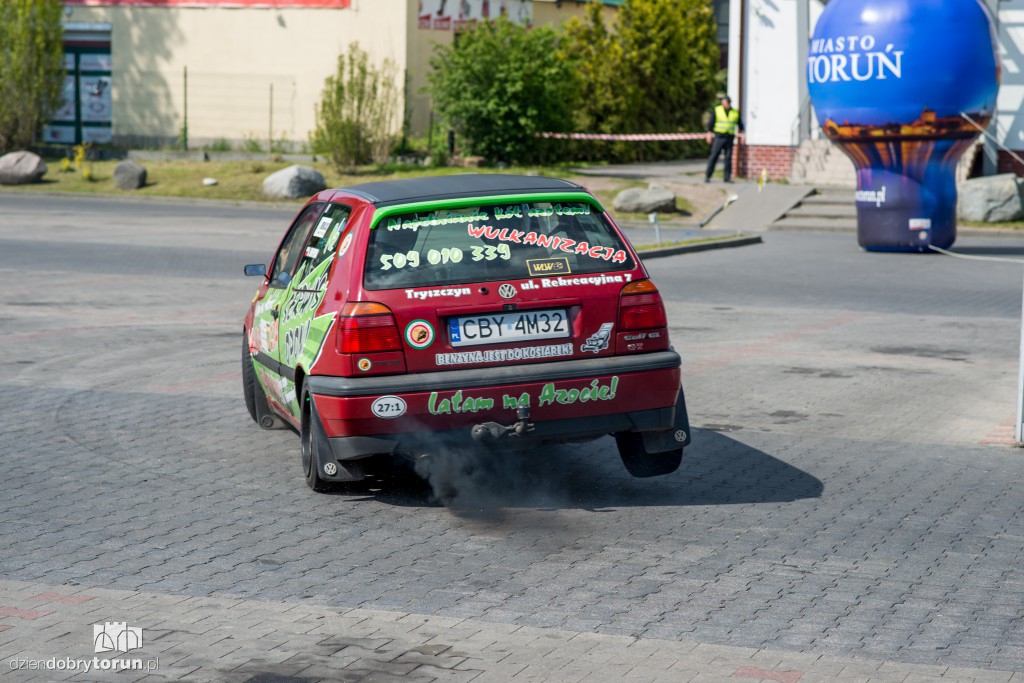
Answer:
(292, 247)
(324, 243)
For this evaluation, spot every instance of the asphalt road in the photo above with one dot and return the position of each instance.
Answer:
(850, 489)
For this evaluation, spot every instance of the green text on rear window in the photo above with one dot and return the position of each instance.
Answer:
(488, 242)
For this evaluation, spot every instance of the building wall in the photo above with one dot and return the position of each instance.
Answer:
(771, 98)
(551, 13)
(777, 160)
(765, 72)
(234, 57)
(257, 72)
(1008, 124)
(1007, 164)
(422, 43)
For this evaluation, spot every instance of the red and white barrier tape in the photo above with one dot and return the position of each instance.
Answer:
(628, 137)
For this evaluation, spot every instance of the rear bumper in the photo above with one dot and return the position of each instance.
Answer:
(584, 368)
(656, 422)
(567, 400)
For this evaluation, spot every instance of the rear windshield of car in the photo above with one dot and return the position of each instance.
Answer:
(508, 241)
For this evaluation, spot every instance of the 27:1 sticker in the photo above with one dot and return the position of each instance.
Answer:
(388, 407)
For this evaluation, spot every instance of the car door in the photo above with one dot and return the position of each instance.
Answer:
(278, 381)
(302, 331)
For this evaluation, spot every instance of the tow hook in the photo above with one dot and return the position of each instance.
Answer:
(492, 431)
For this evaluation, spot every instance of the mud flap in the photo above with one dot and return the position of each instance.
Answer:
(264, 416)
(350, 470)
(671, 439)
(323, 456)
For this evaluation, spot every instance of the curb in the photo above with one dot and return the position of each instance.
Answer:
(728, 243)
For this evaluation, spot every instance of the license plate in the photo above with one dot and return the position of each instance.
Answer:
(474, 330)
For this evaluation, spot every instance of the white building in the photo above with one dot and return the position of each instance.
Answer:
(142, 71)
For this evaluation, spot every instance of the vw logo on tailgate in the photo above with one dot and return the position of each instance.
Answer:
(506, 291)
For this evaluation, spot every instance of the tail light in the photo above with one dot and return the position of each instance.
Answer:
(640, 307)
(367, 327)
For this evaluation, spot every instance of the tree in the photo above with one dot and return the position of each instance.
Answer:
(499, 84)
(595, 54)
(670, 48)
(355, 119)
(656, 72)
(31, 69)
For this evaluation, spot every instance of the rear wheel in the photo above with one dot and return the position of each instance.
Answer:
(314, 441)
(639, 462)
(249, 383)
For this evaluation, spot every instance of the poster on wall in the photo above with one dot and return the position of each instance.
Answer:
(67, 107)
(95, 100)
(445, 15)
(62, 128)
(95, 62)
(98, 136)
(61, 135)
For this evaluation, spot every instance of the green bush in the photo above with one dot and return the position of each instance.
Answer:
(656, 72)
(355, 119)
(500, 83)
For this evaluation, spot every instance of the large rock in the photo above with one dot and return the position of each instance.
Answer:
(293, 182)
(993, 199)
(640, 200)
(21, 168)
(130, 175)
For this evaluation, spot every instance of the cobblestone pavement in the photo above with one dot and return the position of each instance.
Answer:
(850, 508)
(232, 639)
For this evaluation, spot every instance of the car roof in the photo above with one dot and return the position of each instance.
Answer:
(407, 191)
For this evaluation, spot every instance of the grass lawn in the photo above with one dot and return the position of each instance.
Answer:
(236, 180)
(243, 181)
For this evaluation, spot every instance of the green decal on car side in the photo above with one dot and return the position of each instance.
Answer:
(286, 337)
(302, 331)
(265, 338)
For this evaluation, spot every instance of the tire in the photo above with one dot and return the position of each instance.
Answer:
(249, 383)
(642, 464)
(255, 399)
(314, 441)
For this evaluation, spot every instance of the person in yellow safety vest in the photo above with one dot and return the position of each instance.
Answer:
(723, 127)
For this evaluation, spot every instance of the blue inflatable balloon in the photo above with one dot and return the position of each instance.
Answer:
(891, 81)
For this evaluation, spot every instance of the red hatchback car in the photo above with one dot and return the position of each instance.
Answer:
(490, 310)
